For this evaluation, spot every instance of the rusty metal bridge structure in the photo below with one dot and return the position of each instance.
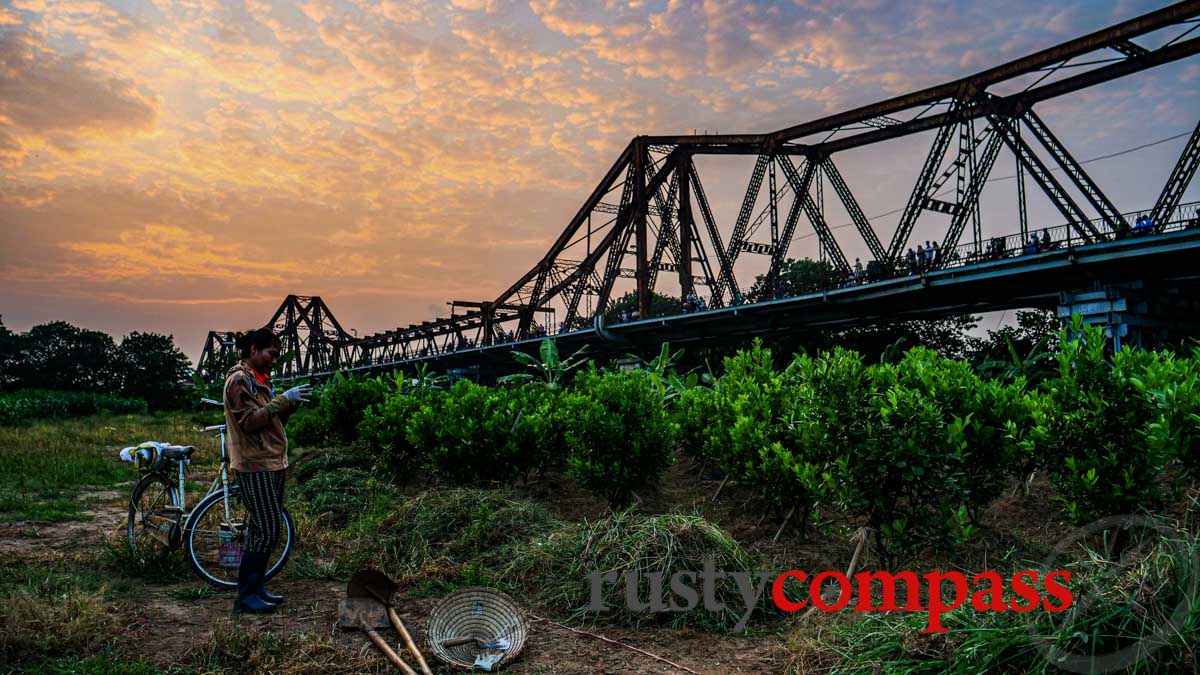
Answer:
(648, 225)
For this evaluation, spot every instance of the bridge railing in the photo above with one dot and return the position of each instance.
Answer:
(1185, 216)
(1052, 238)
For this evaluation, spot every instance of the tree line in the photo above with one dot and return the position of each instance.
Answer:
(58, 356)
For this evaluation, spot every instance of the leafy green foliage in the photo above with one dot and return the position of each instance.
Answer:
(549, 369)
(466, 434)
(660, 305)
(152, 368)
(62, 357)
(1091, 432)
(1026, 350)
(796, 277)
(384, 430)
(341, 405)
(620, 436)
(27, 404)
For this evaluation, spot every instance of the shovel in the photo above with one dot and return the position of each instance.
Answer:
(366, 614)
(371, 583)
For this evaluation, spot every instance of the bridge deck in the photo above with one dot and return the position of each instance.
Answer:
(1008, 283)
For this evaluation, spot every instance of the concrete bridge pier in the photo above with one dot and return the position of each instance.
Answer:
(1136, 313)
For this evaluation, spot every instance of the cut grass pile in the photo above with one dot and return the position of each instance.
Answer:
(640, 545)
(459, 526)
(46, 464)
(336, 484)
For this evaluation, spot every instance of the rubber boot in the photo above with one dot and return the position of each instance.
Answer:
(268, 596)
(263, 593)
(250, 576)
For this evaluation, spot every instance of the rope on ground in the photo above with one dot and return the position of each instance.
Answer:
(615, 642)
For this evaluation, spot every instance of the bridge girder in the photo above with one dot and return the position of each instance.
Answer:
(661, 191)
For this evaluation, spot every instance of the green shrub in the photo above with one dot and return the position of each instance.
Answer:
(539, 431)
(916, 449)
(1092, 430)
(305, 428)
(1174, 384)
(747, 374)
(26, 404)
(334, 417)
(703, 416)
(384, 430)
(466, 434)
(830, 417)
(620, 436)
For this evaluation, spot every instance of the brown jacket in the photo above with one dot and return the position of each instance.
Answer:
(254, 419)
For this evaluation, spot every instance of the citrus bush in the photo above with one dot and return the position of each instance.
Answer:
(619, 434)
(1092, 431)
(466, 434)
(340, 405)
(384, 431)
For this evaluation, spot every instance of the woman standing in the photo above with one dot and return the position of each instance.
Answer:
(257, 445)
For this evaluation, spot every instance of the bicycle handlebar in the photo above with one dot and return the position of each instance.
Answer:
(215, 427)
(212, 402)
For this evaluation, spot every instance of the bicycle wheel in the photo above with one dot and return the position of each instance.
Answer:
(152, 528)
(214, 544)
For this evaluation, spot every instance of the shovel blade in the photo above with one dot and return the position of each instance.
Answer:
(353, 613)
(371, 583)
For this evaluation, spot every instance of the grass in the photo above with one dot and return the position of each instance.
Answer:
(45, 465)
(1118, 603)
(36, 623)
(229, 648)
(451, 527)
(560, 564)
(52, 577)
(193, 592)
(102, 664)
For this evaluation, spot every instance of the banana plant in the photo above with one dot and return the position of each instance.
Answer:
(549, 370)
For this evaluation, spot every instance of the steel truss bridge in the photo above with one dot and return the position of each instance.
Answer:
(649, 221)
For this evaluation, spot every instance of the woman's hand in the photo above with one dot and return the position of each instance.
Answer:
(298, 394)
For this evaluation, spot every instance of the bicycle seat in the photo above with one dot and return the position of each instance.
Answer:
(177, 451)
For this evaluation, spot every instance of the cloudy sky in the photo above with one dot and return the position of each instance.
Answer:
(181, 166)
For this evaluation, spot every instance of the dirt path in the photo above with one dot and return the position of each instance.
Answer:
(178, 616)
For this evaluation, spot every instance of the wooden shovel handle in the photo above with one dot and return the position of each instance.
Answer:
(387, 650)
(458, 641)
(408, 641)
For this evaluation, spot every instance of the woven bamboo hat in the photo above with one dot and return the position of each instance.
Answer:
(482, 613)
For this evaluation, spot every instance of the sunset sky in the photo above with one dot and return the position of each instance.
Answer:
(181, 166)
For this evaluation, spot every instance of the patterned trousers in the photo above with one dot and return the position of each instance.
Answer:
(262, 493)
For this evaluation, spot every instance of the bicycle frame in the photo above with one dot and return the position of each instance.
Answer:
(222, 479)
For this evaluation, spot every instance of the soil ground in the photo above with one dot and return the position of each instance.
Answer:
(166, 620)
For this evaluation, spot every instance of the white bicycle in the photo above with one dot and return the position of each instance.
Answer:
(212, 534)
